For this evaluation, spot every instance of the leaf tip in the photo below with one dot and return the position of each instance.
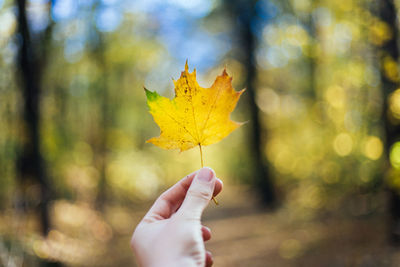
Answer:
(225, 75)
(151, 96)
(186, 66)
(243, 122)
(152, 141)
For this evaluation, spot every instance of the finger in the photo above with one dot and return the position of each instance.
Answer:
(199, 194)
(209, 259)
(218, 187)
(206, 233)
(170, 200)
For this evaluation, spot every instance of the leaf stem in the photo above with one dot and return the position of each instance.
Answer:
(202, 165)
(201, 156)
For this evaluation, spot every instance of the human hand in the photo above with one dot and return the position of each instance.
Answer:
(171, 234)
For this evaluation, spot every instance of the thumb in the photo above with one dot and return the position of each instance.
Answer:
(199, 194)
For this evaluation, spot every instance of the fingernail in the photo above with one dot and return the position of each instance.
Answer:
(205, 174)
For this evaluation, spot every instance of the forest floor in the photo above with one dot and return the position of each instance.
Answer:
(246, 235)
(243, 234)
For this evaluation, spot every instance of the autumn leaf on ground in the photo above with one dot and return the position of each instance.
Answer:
(197, 116)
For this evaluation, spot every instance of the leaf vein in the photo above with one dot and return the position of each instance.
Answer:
(191, 103)
(179, 123)
(209, 113)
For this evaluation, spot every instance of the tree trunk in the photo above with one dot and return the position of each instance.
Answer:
(243, 12)
(100, 139)
(387, 13)
(30, 165)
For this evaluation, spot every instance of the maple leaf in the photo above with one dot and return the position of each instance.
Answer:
(196, 116)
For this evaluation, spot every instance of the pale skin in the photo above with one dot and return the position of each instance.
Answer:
(171, 233)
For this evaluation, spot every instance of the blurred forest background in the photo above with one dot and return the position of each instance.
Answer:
(313, 178)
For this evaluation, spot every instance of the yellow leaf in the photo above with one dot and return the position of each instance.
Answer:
(196, 116)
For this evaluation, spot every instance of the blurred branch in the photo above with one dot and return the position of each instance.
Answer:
(312, 54)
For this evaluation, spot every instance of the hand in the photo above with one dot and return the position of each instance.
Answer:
(171, 234)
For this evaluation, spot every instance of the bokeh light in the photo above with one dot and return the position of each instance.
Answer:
(343, 144)
(395, 155)
(394, 104)
(373, 147)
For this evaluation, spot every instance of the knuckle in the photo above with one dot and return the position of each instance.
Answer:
(164, 195)
(200, 193)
